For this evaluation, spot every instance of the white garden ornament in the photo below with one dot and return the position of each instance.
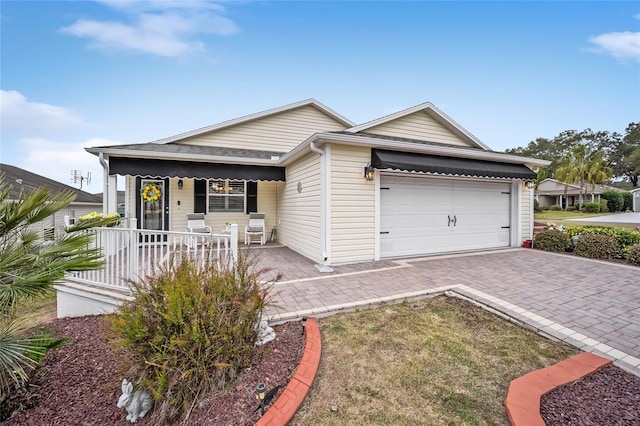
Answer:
(136, 403)
(265, 333)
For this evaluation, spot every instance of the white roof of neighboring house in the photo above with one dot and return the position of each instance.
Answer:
(551, 186)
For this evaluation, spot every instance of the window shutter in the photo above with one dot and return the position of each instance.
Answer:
(200, 196)
(252, 197)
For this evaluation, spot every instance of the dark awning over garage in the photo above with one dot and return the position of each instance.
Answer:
(425, 163)
(143, 167)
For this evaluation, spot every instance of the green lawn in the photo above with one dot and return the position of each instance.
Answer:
(441, 361)
(549, 215)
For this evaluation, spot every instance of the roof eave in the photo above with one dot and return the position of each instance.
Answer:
(445, 150)
(188, 157)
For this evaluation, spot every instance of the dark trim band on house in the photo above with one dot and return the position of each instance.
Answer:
(425, 163)
(144, 167)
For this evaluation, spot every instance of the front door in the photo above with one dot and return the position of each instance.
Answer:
(153, 204)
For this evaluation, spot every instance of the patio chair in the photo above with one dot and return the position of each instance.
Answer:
(255, 228)
(196, 225)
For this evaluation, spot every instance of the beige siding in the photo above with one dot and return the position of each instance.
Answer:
(299, 212)
(418, 126)
(178, 213)
(280, 132)
(352, 206)
(526, 209)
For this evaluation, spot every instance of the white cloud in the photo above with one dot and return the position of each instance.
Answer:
(17, 114)
(56, 160)
(164, 28)
(620, 45)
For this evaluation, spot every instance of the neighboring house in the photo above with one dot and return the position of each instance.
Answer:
(636, 199)
(407, 184)
(554, 192)
(23, 180)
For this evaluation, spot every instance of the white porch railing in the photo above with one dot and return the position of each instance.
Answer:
(131, 254)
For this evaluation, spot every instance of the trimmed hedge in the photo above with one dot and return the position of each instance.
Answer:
(597, 246)
(633, 254)
(615, 200)
(604, 207)
(592, 207)
(628, 201)
(552, 240)
(555, 208)
(623, 236)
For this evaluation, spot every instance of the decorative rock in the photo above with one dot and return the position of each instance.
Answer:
(136, 403)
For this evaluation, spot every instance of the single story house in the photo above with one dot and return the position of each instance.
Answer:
(408, 184)
(23, 180)
(554, 192)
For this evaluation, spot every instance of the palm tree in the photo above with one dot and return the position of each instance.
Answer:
(29, 267)
(581, 166)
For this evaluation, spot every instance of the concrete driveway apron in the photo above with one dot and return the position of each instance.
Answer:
(591, 304)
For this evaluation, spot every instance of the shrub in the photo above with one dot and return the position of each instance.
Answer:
(552, 240)
(596, 246)
(604, 205)
(536, 205)
(592, 207)
(555, 208)
(192, 329)
(544, 208)
(628, 201)
(623, 236)
(633, 254)
(571, 208)
(615, 200)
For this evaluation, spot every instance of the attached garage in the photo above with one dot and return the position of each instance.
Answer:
(425, 215)
(436, 204)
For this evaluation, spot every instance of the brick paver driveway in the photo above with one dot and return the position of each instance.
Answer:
(591, 304)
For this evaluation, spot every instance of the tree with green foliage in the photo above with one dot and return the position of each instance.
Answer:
(624, 156)
(560, 146)
(581, 166)
(29, 267)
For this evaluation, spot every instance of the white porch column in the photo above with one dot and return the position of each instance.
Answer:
(111, 206)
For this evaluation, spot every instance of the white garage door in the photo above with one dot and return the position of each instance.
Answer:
(420, 215)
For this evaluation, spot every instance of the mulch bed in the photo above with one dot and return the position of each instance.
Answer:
(610, 396)
(79, 384)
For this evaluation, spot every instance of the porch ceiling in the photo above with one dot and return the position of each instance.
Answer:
(185, 169)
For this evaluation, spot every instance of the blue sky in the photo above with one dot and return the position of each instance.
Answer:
(83, 73)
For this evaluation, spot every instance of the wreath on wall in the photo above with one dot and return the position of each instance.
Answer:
(150, 193)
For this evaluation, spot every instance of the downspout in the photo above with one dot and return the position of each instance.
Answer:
(323, 201)
(105, 183)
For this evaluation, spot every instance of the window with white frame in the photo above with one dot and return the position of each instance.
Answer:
(226, 196)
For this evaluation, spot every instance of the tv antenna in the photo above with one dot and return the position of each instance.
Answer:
(77, 176)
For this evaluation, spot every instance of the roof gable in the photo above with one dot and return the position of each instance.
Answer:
(278, 129)
(422, 122)
(21, 179)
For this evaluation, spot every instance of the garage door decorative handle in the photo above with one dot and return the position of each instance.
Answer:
(455, 219)
(448, 220)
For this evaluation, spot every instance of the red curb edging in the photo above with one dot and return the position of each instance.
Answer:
(524, 394)
(285, 407)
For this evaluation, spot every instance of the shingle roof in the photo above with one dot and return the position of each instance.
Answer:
(21, 179)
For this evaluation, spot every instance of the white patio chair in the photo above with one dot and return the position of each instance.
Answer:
(196, 225)
(255, 228)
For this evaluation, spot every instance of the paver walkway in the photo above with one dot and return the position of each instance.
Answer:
(590, 304)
